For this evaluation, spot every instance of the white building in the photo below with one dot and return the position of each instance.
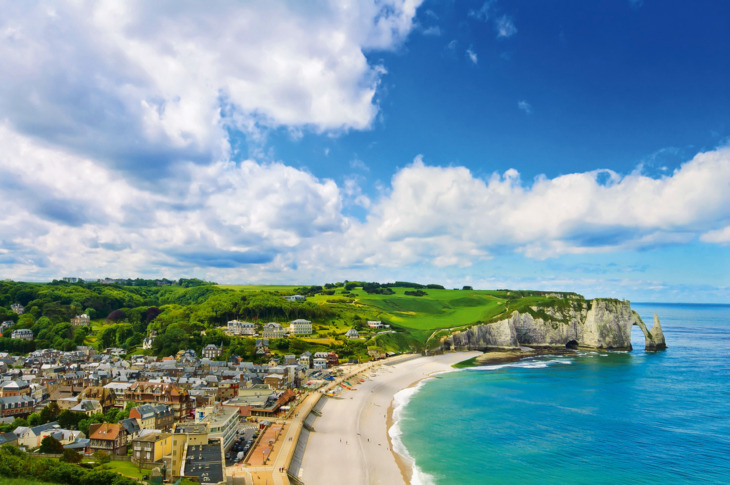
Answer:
(352, 334)
(300, 327)
(17, 308)
(241, 328)
(23, 333)
(319, 363)
(295, 298)
(81, 320)
(223, 422)
(273, 330)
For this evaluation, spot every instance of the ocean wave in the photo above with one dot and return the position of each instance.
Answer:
(522, 364)
(400, 400)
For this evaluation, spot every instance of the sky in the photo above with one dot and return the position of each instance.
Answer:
(564, 145)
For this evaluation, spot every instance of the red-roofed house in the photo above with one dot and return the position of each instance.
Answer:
(111, 438)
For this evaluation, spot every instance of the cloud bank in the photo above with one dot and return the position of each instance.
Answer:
(71, 215)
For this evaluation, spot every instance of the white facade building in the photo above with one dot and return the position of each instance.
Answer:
(300, 327)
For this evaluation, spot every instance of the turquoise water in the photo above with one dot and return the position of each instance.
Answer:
(598, 417)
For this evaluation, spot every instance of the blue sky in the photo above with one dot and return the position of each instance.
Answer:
(547, 145)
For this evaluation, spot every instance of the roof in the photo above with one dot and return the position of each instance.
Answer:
(37, 430)
(153, 437)
(105, 431)
(130, 425)
(206, 462)
(7, 438)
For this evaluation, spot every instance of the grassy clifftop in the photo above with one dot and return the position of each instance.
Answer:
(194, 316)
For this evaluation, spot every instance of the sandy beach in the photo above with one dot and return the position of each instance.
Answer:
(350, 443)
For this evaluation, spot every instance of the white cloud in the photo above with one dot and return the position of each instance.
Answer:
(66, 214)
(447, 214)
(471, 55)
(523, 105)
(70, 215)
(718, 236)
(132, 82)
(484, 12)
(434, 31)
(505, 27)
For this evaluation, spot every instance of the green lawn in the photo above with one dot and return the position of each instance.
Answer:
(21, 481)
(126, 468)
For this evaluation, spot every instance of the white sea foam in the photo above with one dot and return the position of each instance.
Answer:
(522, 364)
(400, 400)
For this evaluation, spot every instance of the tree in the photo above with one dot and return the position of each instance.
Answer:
(108, 337)
(70, 456)
(50, 413)
(34, 419)
(101, 457)
(70, 419)
(49, 444)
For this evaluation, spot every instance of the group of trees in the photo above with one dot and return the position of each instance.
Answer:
(16, 463)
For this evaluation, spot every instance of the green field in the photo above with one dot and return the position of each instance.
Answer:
(420, 318)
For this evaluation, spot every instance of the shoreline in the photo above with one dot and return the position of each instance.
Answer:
(362, 448)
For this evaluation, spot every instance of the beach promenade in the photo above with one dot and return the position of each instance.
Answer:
(269, 461)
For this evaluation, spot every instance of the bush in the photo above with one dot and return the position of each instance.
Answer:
(101, 457)
(49, 444)
(70, 456)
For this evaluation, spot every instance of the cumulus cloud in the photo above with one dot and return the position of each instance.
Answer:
(140, 85)
(68, 214)
(448, 216)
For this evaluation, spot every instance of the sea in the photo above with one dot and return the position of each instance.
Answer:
(593, 417)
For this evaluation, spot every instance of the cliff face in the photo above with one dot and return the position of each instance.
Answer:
(598, 324)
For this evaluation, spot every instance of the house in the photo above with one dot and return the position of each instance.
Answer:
(241, 328)
(352, 334)
(31, 437)
(273, 330)
(210, 351)
(295, 298)
(16, 406)
(81, 320)
(333, 359)
(172, 395)
(290, 359)
(17, 308)
(14, 388)
(319, 363)
(88, 407)
(107, 398)
(375, 324)
(151, 447)
(305, 359)
(150, 416)
(22, 333)
(111, 438)
(147, 342)
(300, 327)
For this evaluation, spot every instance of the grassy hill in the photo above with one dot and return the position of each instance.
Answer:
(193, 313)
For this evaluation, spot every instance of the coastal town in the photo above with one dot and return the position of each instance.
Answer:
(189, 416)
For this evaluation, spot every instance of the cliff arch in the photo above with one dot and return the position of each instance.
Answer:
(654, 338)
